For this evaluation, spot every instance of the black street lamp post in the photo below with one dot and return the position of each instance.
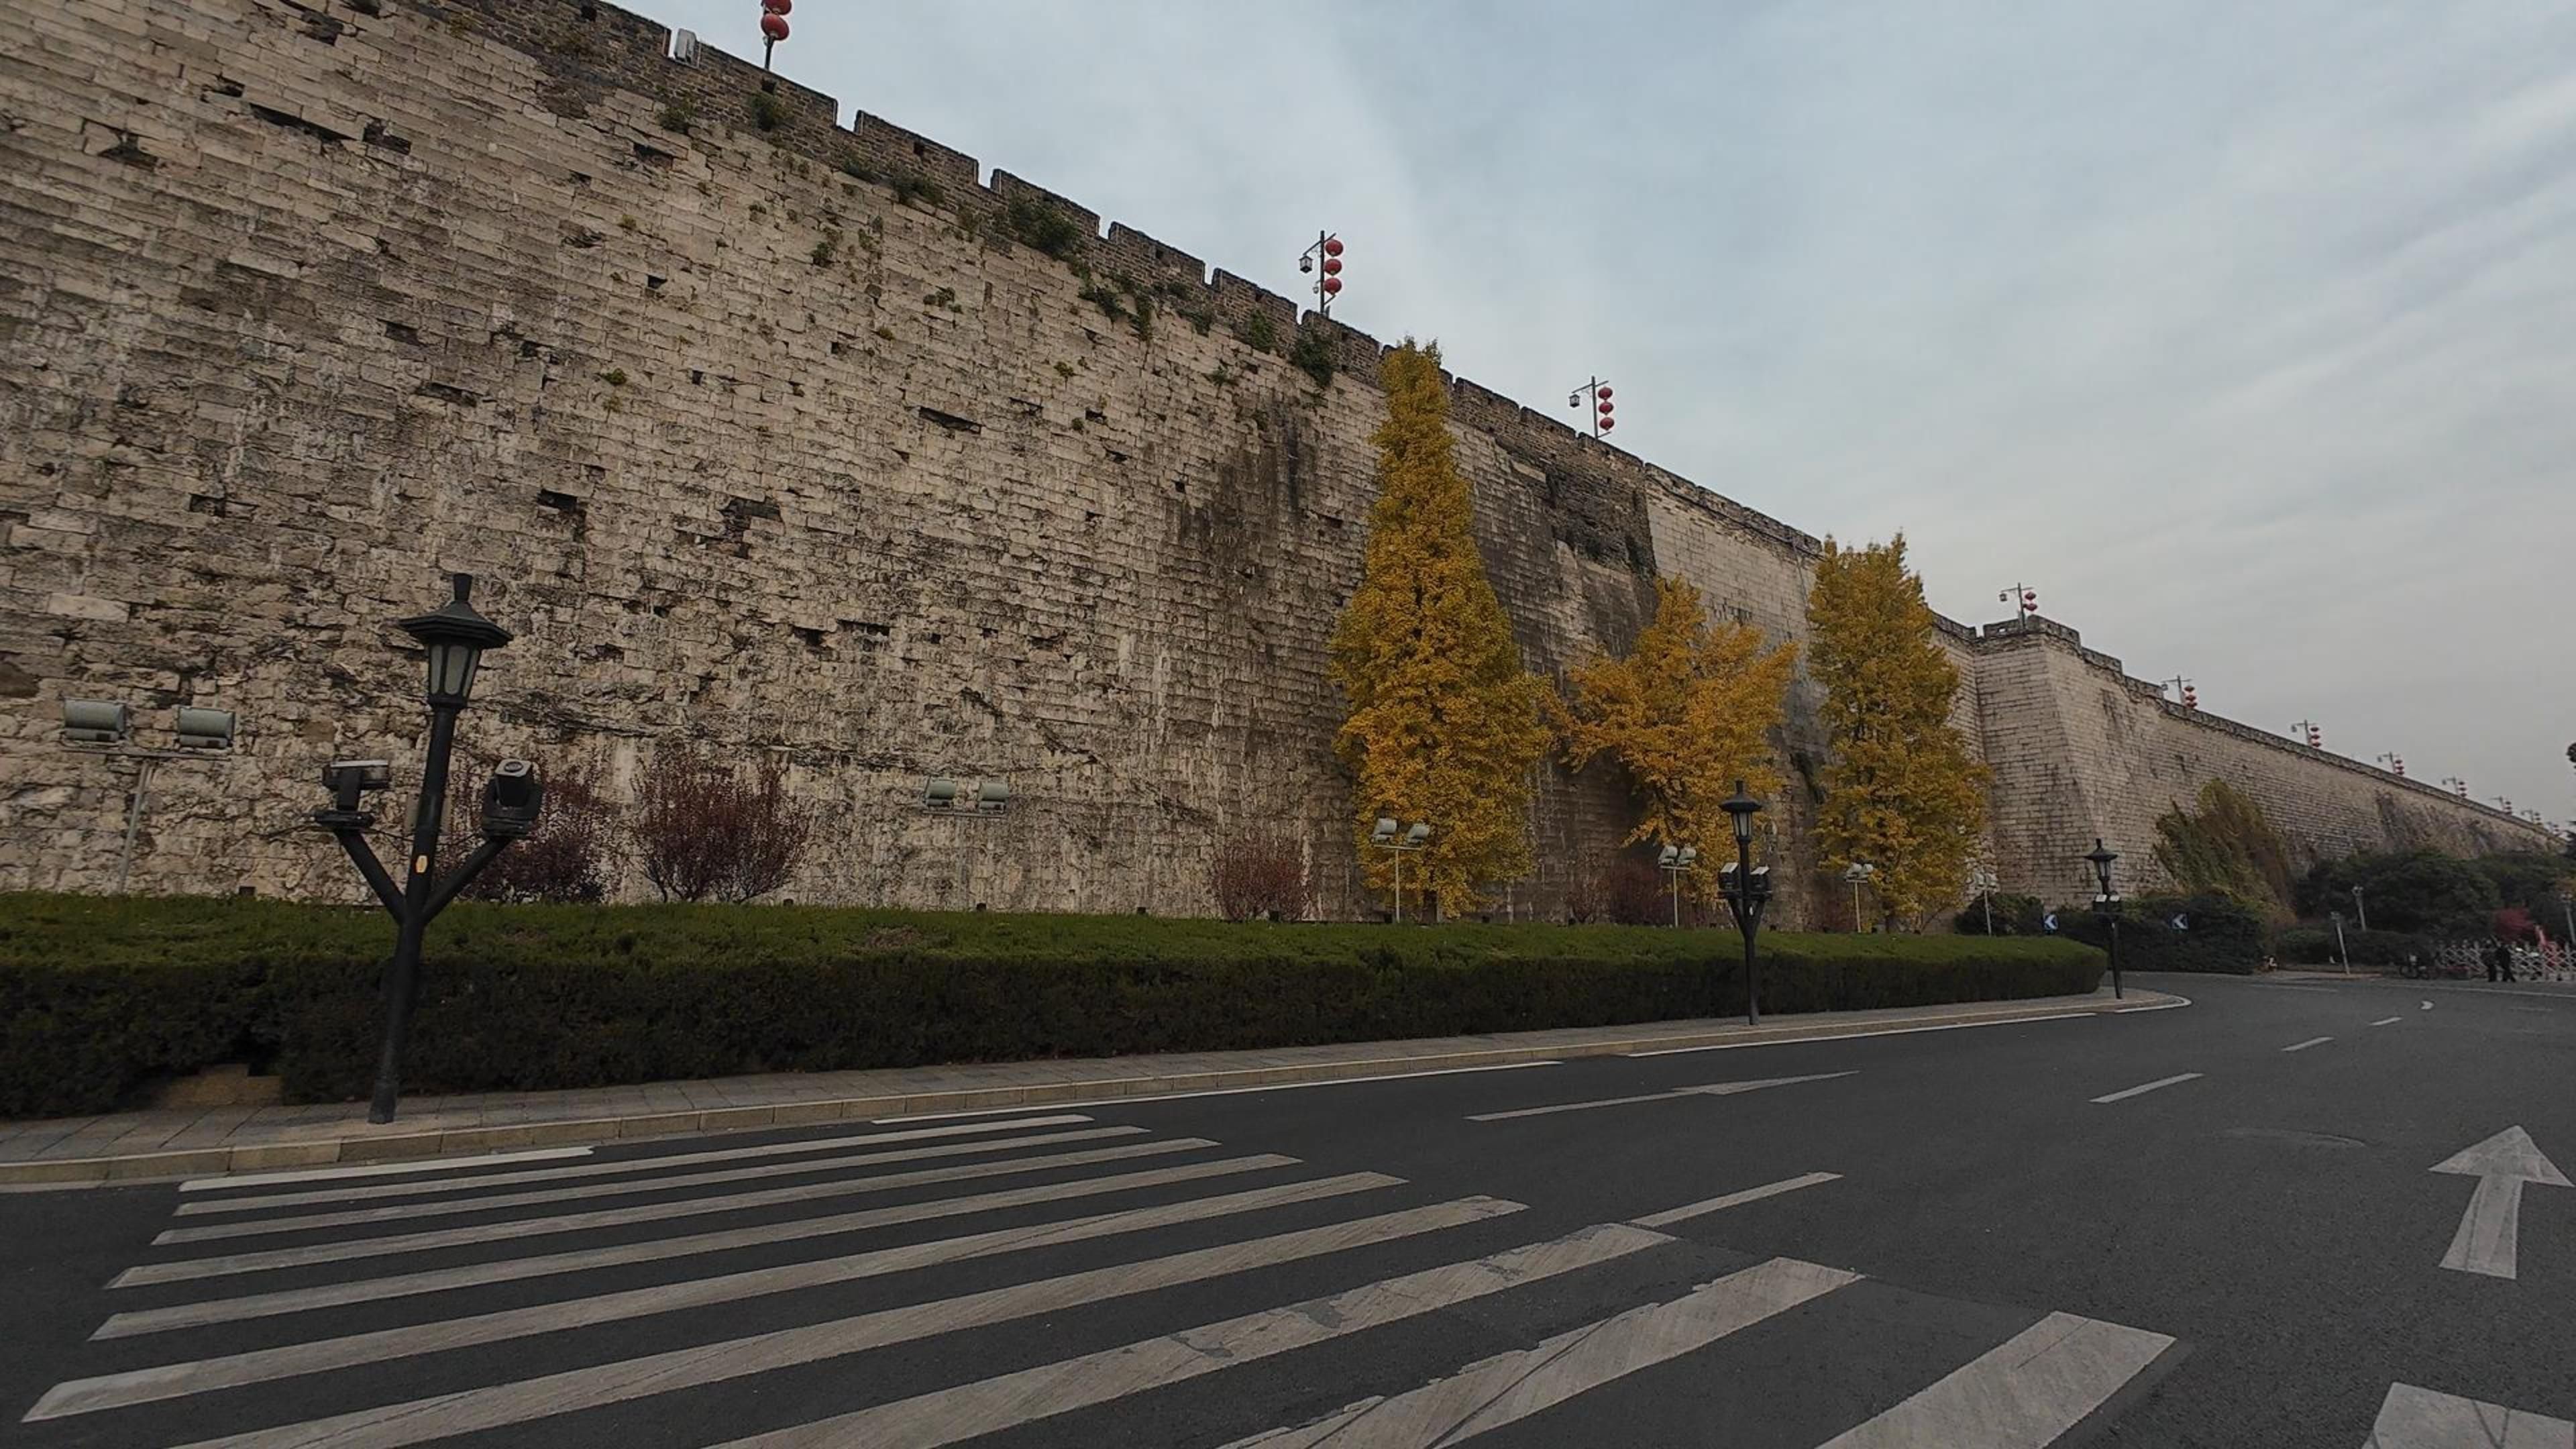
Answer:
(1747, 891)
(2108, 903)
(455, 637)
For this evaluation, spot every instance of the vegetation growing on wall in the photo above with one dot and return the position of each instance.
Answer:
(2226, 847)
(1443, 723)
(1687, 712)
(1901, 792)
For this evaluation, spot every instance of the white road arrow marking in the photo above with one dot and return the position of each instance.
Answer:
(1714, 1089)
(2423, 1006)
(2501, 1164)
(2413, 1418)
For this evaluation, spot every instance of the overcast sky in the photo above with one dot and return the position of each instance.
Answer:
(2245, 333)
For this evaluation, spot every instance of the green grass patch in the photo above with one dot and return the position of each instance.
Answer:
(99, 996)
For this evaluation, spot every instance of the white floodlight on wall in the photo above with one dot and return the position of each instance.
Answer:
(1383, 833)
(205, 729)
(992, 797)
(1670, 856)
(940, 793)
(95, 721)
(1418, 836)
(1690, 857)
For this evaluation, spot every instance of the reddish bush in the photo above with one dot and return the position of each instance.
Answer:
(1261, 873)
(702, 830)
(2514, 924)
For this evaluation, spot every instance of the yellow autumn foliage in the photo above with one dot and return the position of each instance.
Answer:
(1902, 793)
(1687, 713)
(1444, 724)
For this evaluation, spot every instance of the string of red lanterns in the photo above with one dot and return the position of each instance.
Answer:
(773, 26)
(1327, 251)
(1600, 395)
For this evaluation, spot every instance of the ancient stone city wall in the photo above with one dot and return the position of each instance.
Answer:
(760, 432)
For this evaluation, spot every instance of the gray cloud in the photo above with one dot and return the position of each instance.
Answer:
(2238, 330)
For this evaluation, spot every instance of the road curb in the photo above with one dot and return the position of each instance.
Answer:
(397, 1145)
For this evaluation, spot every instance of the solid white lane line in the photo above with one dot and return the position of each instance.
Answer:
(1225, 1091)
(310, 1254)
(2020, 1395)
(169, 1381)
(612, 1168)
(1510, 1387)
(2388, 1021)
(2413, 1418)
(1687, 1211)
(439, 1280)
(2149, 1087)
(2311, 1041)
(447, 1207)
(1714, 1089)
(528, 1399)
(1728, 1046)
(383, 1169)
(995, 1404)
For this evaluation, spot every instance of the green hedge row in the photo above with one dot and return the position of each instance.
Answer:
(2219, 934)
(98, 996)
(2315, 946)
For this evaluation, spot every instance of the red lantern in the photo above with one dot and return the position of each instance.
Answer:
(1332, 266)
(1332, 285)
(1606, 409)
(774, 26)
(1608, 423)
(1332, 246)
(1602, 392)
(777, 7)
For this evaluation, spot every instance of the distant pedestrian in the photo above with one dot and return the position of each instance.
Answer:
(2496, 967)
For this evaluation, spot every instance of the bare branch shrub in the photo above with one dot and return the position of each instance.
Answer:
(564, 859)
(1261, 873)
(702, 830)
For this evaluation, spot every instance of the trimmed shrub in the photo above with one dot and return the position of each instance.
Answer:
(2221, 933)
(2315, 946)
(99, 995)
(2013, 916)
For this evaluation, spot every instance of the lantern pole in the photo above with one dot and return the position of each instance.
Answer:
(1597, 392)
(773, 26)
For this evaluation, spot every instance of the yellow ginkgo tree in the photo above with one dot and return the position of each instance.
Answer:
(1687, 712)
(1902, 793)
(1444, 724)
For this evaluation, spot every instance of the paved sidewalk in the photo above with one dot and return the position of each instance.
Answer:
(201, 1141)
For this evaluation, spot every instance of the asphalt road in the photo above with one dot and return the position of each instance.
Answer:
(2253, 1255)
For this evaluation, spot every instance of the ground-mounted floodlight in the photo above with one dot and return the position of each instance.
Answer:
(1984, 884)
(96, 722)
(1383, 835)
(1859, 873)
(205, 729)
(1674, 861)
(106, 727)
(1747, 888)
(992, 797)
(939, 794)
(455, 638)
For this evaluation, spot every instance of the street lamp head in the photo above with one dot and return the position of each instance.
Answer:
(2102, 856)
(1670, 857)
(1419, 835)
(1740, 809)
(1383, 833)
(455, 637)
(1759, 883)
(1689, 857)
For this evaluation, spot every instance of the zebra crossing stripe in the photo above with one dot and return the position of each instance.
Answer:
(439, 1280)
(306, 1256)
(2413, 1418)
(611, 1168)
(996, 1404)
(2021, 1394)
(1510, 1387)
(403, 1212)
(381, 1169)
(170, 1381)
(472, 1410)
